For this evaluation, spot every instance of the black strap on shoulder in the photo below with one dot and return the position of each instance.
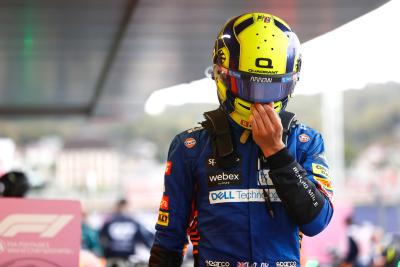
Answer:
(287, 119)
(217, 126)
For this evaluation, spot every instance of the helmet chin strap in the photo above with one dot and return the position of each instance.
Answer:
(242, 111)
(243, 121)
(241, 115)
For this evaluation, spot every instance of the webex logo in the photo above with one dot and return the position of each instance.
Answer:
(223, 178)
(45, 225)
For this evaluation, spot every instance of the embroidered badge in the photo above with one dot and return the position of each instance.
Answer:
(190, 142)
(304, 138)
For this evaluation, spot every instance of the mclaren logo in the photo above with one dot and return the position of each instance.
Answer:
(45, 225)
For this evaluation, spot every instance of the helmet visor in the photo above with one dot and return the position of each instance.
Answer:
(261, 88)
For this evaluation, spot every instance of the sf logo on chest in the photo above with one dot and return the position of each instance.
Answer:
(211, 162)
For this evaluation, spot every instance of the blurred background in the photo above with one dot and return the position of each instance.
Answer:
(92, 92)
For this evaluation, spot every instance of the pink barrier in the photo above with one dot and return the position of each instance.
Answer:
(333, 238)
(43, 233)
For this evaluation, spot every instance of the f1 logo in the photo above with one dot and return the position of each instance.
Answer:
(47, 226)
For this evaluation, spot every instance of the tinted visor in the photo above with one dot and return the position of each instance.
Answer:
(260, 88)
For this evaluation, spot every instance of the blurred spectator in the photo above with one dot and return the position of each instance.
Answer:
(14, 184)
(391, 255)
(90, 238)
(364, 243)
(353, 251)
(88, 259)
(121, 233)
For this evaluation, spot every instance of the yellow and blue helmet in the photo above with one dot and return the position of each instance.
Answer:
(256, 59)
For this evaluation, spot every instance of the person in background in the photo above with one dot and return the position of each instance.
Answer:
(391, 253)
(90, 238)
(247, 184)
(88, 259)
(14, 184)
(121, 233)
(352, 253)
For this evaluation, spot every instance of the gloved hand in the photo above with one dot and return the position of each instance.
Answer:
(267, 128)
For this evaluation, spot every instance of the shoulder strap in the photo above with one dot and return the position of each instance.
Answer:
(217, 122)
(217, 126)
(287, 119)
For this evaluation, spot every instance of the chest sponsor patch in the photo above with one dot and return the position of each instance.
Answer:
(320, 170)
(304, 138)
(326, 183)
(223, 178)
(242, 195)
(164, 204)
(168, 168)
(211, 163)
(325, 186)
(190, 142)
(163, 218)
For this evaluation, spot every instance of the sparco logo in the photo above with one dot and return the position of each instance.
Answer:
(285, 264)
(223, 179)
(217, 263)
(45, 225)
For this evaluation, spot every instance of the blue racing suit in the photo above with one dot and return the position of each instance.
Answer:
(253, 214)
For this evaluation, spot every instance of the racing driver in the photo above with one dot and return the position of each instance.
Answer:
(248, 183)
